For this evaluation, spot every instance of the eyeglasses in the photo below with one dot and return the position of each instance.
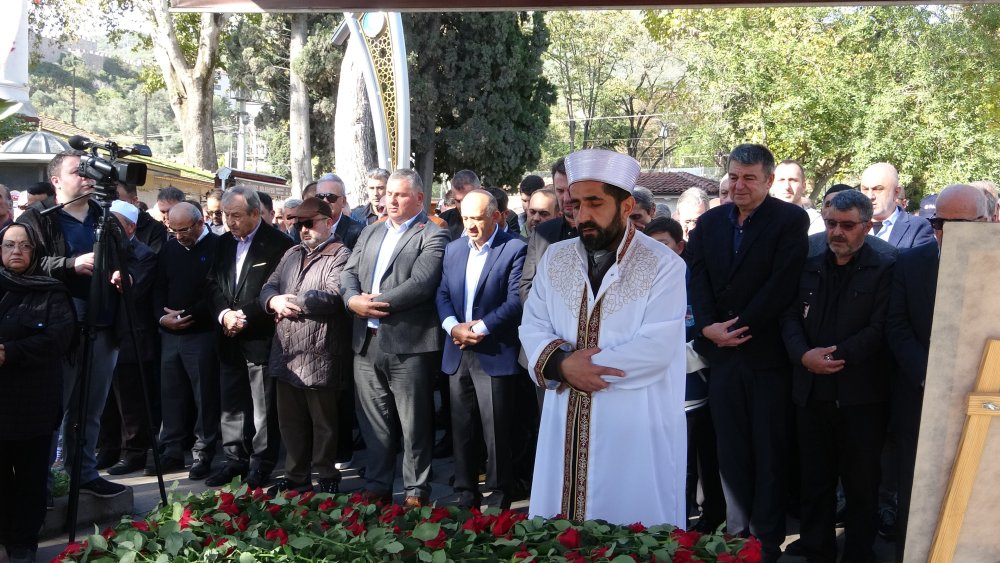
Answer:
(307, 223)
(844, 225)
(331, 198)
(937, 223)
(22, 246)
(180, 231)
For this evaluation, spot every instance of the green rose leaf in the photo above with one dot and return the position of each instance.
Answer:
(300, 542)
(424, 556)
(174, 543)
(394, 547)
(128, 557)
(426, 531)
(625, 559)
(561, 525)
(247, 558)
(439, 556)
(162, 558)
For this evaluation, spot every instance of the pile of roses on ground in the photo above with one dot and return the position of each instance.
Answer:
(237, 524)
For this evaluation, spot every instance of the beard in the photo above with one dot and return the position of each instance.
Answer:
(604, 236)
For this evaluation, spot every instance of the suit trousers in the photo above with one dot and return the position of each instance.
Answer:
(24, 470)
(124, 424)
(189, 383)
(749, 409)
(395, 395)
(845, 443)
(249, 421)
(477, 395)
(102, 366)
(907, 404)
(308, 419)
(703, 467)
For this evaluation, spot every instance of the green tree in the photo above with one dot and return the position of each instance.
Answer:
(479, 98)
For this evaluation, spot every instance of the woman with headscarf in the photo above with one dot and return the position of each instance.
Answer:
(36, 332)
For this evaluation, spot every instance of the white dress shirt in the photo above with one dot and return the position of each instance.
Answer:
(392, 236)
(473, 271)
(886, 229)
(242, 248)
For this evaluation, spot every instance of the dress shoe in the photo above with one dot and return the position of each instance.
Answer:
(101, 487)
(107, 458)
(225, 475)
(200, 469)
(375, 497)
(415, 502)
(168, 464)
(329, 486)
(344, 463)
(257, 478)
(496, 499)
(461, 499)
(284, 485)
(128, 465)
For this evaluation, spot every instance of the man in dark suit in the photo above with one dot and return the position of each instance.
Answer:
(480, 311)
(243, 263)
(834, 333)
(892, 223)
(908, 328)
(389, 285)
(745, 259)
(462, 183)
(551, 231)
(330, 188)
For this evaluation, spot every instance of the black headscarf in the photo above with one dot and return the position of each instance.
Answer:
(31, 279)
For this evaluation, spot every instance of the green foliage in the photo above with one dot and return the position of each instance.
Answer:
(479, 99)
(12, 127)
(841, 88)
(237, 524)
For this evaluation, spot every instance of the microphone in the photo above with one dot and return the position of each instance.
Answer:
(81, 143)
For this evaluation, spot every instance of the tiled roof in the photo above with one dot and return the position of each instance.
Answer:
(674, 183)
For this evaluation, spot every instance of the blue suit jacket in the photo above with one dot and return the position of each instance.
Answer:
(910, 231)
(496, 303)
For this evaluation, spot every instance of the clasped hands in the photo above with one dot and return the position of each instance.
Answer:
(581, 373)
(284, 306)
(233, 322)
(365, 306)
(720, 334)
(463, 336)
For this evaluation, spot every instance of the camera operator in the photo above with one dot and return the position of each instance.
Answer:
(68, 237)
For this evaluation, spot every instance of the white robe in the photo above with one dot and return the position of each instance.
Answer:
(620, 454)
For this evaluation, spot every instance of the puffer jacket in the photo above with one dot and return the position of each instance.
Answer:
(314, 350)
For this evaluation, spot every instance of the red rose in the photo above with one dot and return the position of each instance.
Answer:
(324, 525)
(390, 513)
(569, 538)
(574, 557)
(439, 542)
(109, 533)
(726, 558)
(750, 552)
(208, 519)
(396, 530)
(523, 554)
(221, 541)
(328, 504)
(599, 552)
(356, 529)
(209, 540)
(74, 548)
(185, 520)
(686, 539)
(306, 497)
(228, 527)
(356, 498)
(478, 523)
(226, 498)
(636, 528)
(242, 521)
(278, 534)
(684, 556)
(274, 509)
(439, 513)
(141, 525)
(230, 509)
(506, 521)
(304, 513)
(291, 494)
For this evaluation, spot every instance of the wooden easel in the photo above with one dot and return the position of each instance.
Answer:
(983, 406)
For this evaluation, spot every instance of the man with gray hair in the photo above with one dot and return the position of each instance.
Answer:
(285, 221)
(370, 212)
(330, 188)
(645, 207)
(690, 205)
(463, 182)
(6, 207)
(834, 334)
(165, 199)
(244, 261)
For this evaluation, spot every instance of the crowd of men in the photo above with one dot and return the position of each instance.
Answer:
(800, 375)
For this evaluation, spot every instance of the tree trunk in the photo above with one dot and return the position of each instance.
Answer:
(298, 112)
(354, 142)
(191, 87)
(425, 165)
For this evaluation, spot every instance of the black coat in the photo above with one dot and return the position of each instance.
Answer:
(911, 311)
(37, 330)
(348, 231)
(549, 232)
(266, 250)
(756, 285)
(858, 334)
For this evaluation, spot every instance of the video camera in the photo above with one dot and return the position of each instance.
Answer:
(106, 173)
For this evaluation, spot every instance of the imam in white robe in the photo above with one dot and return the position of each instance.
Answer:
(619, 454)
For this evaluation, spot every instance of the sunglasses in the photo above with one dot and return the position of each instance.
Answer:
(306, 223)
(937, 223)
(331, 198)
(844, 225)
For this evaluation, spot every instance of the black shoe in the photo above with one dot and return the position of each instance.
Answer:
(107, 458)
(200, 469)
(330, 486)
(128, 465)
(225, 475)
(257, 477)
(796, 549)
(496, 499)
(444, 447)
(462, 499)
(103, 488)
(287, 485)
(168, 464)
(887, 523)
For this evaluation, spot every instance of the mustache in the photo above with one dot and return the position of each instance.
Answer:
(588, 225)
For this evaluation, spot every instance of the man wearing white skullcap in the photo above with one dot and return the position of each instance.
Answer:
(612, 440)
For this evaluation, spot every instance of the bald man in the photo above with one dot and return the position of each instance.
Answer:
(908, 329)
(892, 223)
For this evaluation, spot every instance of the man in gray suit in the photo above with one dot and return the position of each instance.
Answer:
(389, 284)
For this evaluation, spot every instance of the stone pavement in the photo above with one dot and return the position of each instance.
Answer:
(146, 497)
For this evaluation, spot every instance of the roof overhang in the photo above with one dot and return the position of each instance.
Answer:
(486, 5)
